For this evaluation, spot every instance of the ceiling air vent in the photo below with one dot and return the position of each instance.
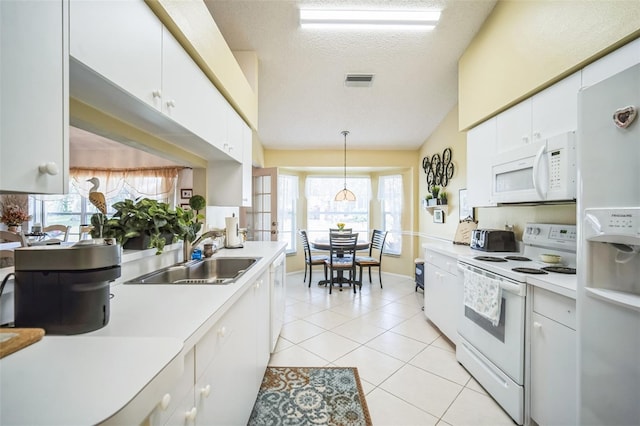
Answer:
(358, 80)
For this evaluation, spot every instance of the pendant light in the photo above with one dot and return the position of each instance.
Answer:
(345, 194)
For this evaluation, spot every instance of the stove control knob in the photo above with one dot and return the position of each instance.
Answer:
(533, 231)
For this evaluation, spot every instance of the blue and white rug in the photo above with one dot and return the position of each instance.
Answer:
(296, 396)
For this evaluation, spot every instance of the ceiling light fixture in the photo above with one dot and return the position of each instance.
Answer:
(345, 194)
(401, 19)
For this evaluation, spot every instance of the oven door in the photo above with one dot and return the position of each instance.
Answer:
(502, 344)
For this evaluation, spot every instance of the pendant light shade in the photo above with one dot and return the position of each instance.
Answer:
(345, 194)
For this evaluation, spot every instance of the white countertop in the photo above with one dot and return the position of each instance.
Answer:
(562, 284)
(90, 377)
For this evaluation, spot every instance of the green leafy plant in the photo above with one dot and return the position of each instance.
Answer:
(443, 196)
(435, 190)
(146, 217)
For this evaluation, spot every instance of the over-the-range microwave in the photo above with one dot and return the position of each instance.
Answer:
(536, 172)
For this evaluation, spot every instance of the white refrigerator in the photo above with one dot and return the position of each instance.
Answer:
(608, 271)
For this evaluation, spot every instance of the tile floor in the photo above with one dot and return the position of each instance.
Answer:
(408, 370)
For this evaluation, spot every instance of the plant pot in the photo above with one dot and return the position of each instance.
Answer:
(432, 202)
(142, 242)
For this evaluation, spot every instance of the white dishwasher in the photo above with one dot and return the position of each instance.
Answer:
(278, 292)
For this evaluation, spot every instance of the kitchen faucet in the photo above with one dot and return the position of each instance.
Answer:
(190, 247)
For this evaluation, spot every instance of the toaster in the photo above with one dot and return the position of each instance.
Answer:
(493, 240)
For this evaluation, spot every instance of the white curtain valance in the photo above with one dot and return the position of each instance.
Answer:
(143, 182)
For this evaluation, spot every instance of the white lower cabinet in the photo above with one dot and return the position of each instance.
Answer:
(223, 372)
(553, 359)
(442, 292)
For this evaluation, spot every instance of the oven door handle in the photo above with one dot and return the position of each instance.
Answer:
(511, 287)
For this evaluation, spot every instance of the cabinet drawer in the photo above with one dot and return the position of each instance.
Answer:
(444, 262)
(554, 306)
(212, 343)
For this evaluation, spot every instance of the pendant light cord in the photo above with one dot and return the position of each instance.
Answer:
(345, 133)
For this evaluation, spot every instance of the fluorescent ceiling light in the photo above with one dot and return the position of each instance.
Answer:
(406, 19)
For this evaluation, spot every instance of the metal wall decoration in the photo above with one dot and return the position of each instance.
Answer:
(439, 169)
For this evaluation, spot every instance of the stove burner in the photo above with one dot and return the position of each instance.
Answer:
(490, 258)
(519, 258)
(560, 269)
(530, 271)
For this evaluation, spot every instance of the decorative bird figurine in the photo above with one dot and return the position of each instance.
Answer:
(97, 198)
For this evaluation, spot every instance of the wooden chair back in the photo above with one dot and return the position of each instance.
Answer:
(15, 237)
(6, 258)
(57, 232)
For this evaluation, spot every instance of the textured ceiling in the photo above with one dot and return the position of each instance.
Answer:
(303, 103)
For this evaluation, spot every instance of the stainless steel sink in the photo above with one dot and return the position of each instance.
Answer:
(213, 271)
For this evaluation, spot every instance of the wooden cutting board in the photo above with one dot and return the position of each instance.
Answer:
(14, 339)
(463, 233)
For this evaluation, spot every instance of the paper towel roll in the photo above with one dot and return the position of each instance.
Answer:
(232, 234)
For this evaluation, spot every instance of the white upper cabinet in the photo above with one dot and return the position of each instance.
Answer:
(188, 96)
(34, 97)
(615, 62)
(481, 142)
(549, 113)
(555, 109)
(122, 41)
(514, 127)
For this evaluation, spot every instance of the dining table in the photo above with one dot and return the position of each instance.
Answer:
(323, 244)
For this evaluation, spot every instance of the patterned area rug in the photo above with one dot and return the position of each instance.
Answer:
(295, 396)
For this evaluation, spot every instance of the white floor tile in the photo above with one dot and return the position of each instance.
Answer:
(386, 409)
(475, 386)
(382, 319)
(373, 366)
(329, 346)
(397, 345)
(401, 310)
(417, 328)
(283, 344)
(296, 356)
(444, 343)
(298, 331)
(441, 362)
(327, 319)
(358, 330)
(472, 408)
(431, 393)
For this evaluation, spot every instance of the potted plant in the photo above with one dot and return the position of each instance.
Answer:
(443, 197)
(147, 223)
(427, 200)
(14, 216)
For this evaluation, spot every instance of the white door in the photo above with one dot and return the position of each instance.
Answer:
(262, 217)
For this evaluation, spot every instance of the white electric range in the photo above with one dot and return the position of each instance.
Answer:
(492, 324)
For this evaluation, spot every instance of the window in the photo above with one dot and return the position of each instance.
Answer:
(74, 209)
(324, 213)
(390, 196)
(287, 207)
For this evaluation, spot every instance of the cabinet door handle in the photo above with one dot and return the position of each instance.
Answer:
(156, 94)
(537, 325)
(49, 168)
(165, 401)
(171, 103)
(222, 331)
(191, 414)
(205, 391)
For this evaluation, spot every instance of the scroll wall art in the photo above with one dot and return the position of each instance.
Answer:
(439, 169)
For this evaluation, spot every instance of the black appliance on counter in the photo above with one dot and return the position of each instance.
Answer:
(64, 289)
(493, 240)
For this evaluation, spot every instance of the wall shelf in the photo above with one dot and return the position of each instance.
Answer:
(430, 209)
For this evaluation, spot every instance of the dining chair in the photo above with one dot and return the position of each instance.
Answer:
(85, 232)
(342, 254)
(59, 232)
(16, 237)
(6, 258)
(311, 260)
(376, 248)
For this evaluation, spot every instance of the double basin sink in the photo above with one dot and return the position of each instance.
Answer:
(212, 271)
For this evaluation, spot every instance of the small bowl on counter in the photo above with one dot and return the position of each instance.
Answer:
(550, 258)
